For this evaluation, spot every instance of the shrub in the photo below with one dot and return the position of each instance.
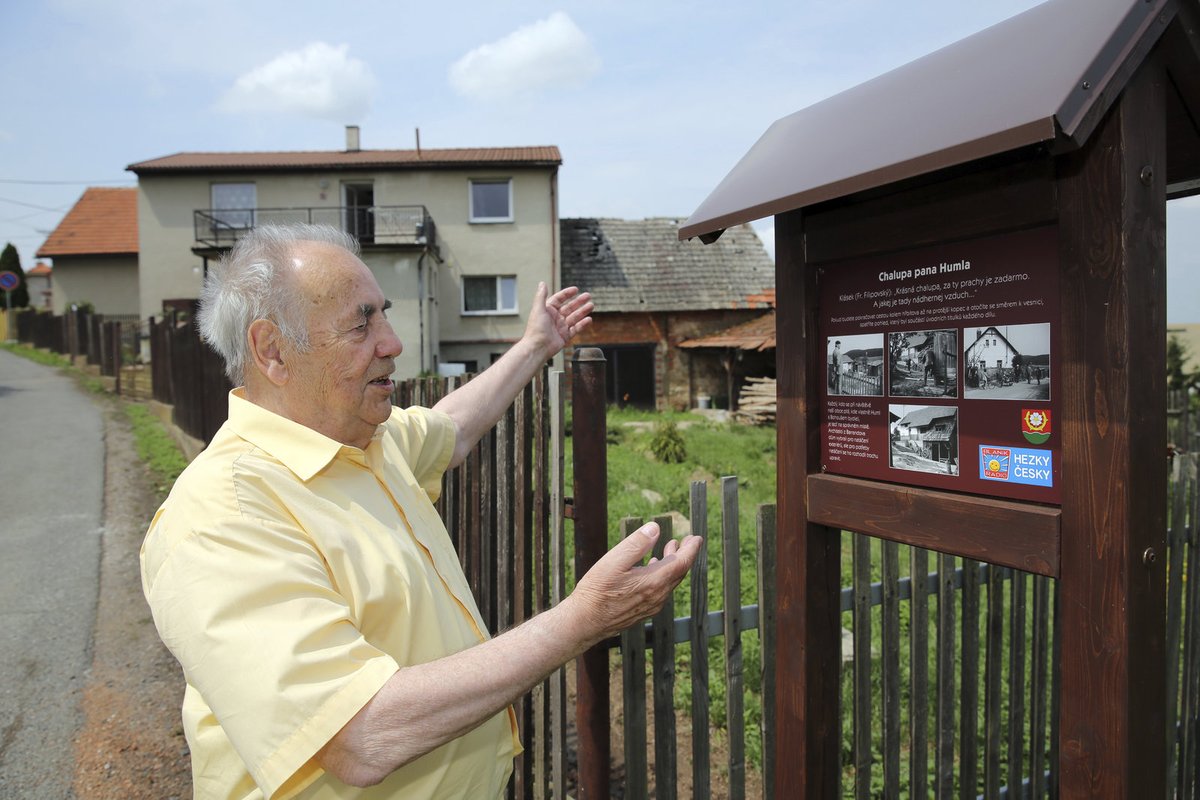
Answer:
(667, 443)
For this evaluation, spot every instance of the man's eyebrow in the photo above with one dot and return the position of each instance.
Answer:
(367, 309)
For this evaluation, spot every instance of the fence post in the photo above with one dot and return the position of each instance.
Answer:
(590, 460)
(116, 356)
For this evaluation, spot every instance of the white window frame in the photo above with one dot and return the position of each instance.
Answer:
(472, 217)
(492, 312)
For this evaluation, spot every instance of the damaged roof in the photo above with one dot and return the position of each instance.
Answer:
(642, 265)
(757, 334)
(1047, 75)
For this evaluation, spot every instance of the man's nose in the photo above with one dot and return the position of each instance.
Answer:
(389, 345)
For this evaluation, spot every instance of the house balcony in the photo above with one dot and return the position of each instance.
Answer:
(373, 226)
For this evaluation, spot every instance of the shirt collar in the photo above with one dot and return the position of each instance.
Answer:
(299, 448)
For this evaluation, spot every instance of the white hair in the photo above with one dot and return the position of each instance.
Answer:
(254, 281)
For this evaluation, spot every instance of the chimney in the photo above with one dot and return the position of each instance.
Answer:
(352, 139)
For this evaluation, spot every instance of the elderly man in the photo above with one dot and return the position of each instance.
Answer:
(301, 576)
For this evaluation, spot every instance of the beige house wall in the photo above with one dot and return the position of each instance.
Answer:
(39, 290)
(109, 283)
(426, 293)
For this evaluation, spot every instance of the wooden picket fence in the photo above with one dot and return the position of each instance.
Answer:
(948, 688)
(108, 345)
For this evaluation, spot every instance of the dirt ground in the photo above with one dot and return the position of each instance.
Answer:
(131, 745)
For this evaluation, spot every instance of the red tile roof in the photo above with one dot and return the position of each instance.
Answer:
(40, 269)
(103, 222)
(357, 159)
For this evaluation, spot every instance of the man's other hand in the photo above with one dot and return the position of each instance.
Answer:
(618, 591)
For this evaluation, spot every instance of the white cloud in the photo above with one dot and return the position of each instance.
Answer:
(552, 53)
(319, 80)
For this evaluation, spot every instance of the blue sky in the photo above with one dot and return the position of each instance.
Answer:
(651, 103)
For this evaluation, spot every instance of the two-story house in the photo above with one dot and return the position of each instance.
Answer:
(457, 238)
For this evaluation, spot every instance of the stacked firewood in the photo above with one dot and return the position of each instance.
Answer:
(756, 402)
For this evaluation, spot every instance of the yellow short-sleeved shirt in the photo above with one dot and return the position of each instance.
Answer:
(291, 575)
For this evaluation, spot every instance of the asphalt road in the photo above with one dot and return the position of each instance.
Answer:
(51, 498)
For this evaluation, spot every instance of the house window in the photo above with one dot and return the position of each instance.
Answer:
(233, 204)
(358, 215)
(490, 294)
(491, 201)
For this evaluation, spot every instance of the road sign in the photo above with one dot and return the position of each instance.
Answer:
(9, 281)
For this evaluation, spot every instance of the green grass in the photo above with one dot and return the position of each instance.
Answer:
(642, 485)
(40, 356)
(49, 359)
(155, 447)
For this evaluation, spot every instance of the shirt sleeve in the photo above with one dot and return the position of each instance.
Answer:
(426, 441)
(247, 607)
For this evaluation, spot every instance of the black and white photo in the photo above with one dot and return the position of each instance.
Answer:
(1007, 362)
(923, 363)
(923, 438)
(854, 364)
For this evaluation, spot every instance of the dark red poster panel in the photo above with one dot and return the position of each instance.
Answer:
(941, 365)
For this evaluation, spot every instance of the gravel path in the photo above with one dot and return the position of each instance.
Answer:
(89, 697)
(51, 484)
(130, 745)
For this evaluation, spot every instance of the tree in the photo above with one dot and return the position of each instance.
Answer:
(1178, 378)
(11, 262)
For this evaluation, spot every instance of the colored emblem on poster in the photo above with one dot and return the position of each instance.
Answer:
(1016, 465)
(1035, 425)
(993, 463)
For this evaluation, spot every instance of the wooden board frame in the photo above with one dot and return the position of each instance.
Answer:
(1105, 542)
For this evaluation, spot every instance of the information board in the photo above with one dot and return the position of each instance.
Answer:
(941, 365)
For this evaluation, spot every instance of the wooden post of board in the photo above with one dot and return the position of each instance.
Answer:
(808, 727)
(1112, 227)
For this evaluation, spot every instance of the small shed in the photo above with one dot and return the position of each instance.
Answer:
(1017, 177)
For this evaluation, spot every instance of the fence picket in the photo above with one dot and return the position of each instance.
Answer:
(1037, 702)
(633, 691)
(558, 680)
(918, 765)
(663, 684)
(861, 550)
(890, 669)
(698, 635)
(969, 690)
(1191, 669)
(946, 700)
(992, 681)
(767, 635)
(735, 722)
(540, 533)
(1016, 684)
(1175, 551)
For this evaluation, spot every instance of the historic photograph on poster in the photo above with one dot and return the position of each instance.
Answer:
(854, 364)
(923, 363)
(1007, 362)
(923, 438)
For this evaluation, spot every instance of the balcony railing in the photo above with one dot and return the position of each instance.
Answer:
(371, 225)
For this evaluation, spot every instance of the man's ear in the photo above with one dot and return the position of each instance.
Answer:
(266, 342)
